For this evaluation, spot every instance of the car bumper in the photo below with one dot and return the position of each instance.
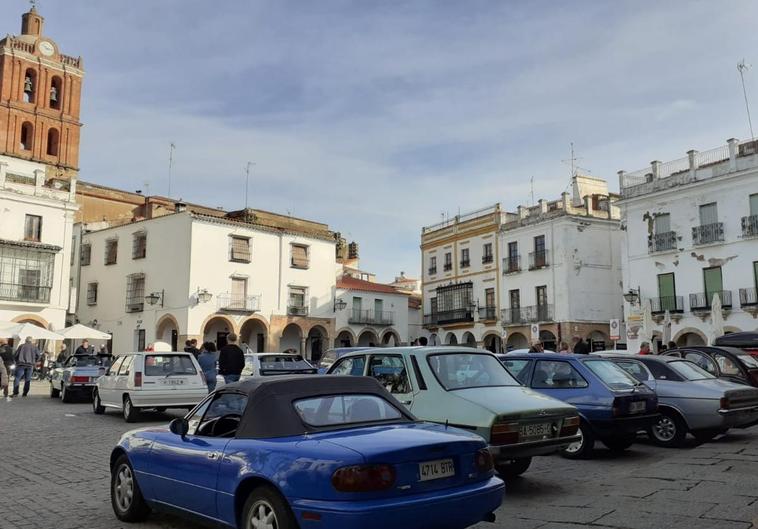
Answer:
(622, 426)
(740, 417)
(532, 448)
(445, 509)
(165, 399)
(80, 387)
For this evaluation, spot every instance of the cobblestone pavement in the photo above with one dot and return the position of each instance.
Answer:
(54, 475)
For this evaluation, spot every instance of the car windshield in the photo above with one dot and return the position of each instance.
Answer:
(689, 371)
(87, 361)
(469, 370)
(169, 364)
(612, 375)
(336, 410)
(272, 363)
(749, 361)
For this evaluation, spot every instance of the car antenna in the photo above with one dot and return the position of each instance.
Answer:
(446, 423)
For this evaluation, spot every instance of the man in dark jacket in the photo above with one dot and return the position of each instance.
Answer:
(231, 360)
(6, 358)
(26, 356)
(580, 346)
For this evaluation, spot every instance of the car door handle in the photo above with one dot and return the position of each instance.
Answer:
(405, 402)
(213, 455)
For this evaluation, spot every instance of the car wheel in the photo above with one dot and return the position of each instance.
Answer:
(126, 497)
(97, 405)
(265, 508)
(65, 394)
(668, 430)
(618, 444)
(131, 414)
(584, 446)
(54, 393)
(513, 468)
(703, 436)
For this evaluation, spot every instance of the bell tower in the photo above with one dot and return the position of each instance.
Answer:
(40, 96)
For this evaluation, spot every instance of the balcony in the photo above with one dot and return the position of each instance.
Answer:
(673, 304)
(371, 317)
(488, 313)
(661, 242)
(448, 316)
(432, 270)
(511, 265)
(447, 267)
(465, 263)
(297, 310)
(750, 226)
(538, 260)
(748, 297)
(708, 233)
(238, 303)
(487, 258)
(24, 293)
(524, 315)
(512, 316)
(702, 300)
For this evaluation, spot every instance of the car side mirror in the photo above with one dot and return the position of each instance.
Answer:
(179, 427)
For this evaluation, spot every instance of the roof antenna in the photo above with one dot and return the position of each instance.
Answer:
(171, 149)
(741, 67)
(531, 182)
(247, 180)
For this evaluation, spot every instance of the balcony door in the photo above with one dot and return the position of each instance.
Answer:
(541, 292)
(239, 293)
(666, 292)
(709, 214)
(378, 310)
(357, 308)
(713, 283)
(754, 204)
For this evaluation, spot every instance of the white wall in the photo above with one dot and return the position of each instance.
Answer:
(396, 303)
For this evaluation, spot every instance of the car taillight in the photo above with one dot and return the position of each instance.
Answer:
(724, 403)
(753, 377)
(504, 433)
(483, 461)
(363, 478)
(79, 380)
(570, 426)
(138, 379)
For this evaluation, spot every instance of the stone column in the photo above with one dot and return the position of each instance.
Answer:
(39, 181)
(543, 205)
(303, 342)
(733, 148)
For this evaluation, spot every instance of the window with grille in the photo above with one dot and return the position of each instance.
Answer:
(92, 294)
(487, 255)
(297, 297)
(26, 274)
(239, 249)
(465, 260)
(33, 228)
(86, 254)
(111, 251)
(448, 262)
(135, 292)
(299, 256)
(139, 245)
(455, 297)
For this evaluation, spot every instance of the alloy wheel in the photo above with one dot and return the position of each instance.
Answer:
(262, 516)
(576, 446)
(127, 407)
(664, 429)
(124, 488)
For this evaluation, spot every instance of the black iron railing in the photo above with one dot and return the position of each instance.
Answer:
(511, 265)
(24, 293)
(538, 260)
(448, 316)
(750, 226)
(297, 310)
(703, 300)
(238, 302)
(371, 317)
(661, 242)
(487, 258)
(748, 297)
(673, 304)
(708, 233)
(488, 313)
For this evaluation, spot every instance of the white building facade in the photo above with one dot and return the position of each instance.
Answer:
(188, 275)
(691, 236)
(36, 226)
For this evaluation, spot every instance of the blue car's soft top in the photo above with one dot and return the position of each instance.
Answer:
(270, 412)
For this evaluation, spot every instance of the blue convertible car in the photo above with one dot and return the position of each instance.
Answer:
(306, 452)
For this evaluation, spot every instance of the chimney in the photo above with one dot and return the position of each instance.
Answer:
(352, 250)
(543, 205)
(522, 212)
(565, 200)
(180, 207)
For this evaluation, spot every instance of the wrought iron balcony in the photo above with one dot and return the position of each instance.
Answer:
(701, 301)
(24, 293)
(708, 233)
(448, 316)
(748, 297)
(371, 317)
(512, 316)
(238, 302)
(536, 313)
(661, 242)
(538, 260)
(447, 267)
(465, 263)
(673, 304)
(487, 258)
(297, 310)
(750, 226)
(432, 270)
(488, 313)
(511, 265)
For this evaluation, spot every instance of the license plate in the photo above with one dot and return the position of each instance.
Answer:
(442, 468)
(173, 381)
(536, 430)
(637, 407)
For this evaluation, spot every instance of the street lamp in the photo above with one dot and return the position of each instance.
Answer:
(633, 296)
(203, 296)
(339, 304)
(154, 298)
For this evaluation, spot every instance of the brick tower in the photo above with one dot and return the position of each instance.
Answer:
(40, 95)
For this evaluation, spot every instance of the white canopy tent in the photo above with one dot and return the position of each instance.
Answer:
(24, 330)
(82, 332)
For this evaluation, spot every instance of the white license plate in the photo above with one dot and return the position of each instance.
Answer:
(536, 430)
(173, 381)
(442, 468)
(637, 407)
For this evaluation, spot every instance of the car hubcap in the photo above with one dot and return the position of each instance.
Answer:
(124, 488)
(576, 445)
(262, 516)
(127, 407)
(664, 429)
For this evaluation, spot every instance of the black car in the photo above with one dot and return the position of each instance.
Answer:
(729, 363)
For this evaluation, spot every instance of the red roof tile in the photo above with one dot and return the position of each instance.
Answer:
(351, 283)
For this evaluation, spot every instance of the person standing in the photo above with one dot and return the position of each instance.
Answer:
(580, 346)
(231, 360)
(6, 358)
(26, 356)
(63, 355)
(207, 361)
(4, 380)
(644, 348)
(537, 347)
(564, 348)
(83, 349)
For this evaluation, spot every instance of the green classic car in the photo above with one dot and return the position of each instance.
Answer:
(470, 389)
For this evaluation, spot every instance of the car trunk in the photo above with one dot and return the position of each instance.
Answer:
(742, 398)
(86, 375)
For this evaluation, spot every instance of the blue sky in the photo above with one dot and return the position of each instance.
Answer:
(377, 116)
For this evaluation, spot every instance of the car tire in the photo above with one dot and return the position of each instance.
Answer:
(66, 395)
(54, 393)
(126, 498)
(131, 414)
(513, 468)
(669, 430)
(263, 503)
(618, 445)
(583, 448)
(703, 436)
(97, 405)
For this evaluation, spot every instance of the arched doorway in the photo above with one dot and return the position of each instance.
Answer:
(433, 339)
(599, 341)
(216, 330)
(291, 339)
(468, 340)
(517, 340)
(493, 343)
(548, 340)
(315, 344)
(690, 338)
(390, 338)
(345, 338)
(254, 334)
(451, 339)
(167, 331)
(368, 338)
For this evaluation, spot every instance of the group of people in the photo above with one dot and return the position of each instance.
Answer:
(26, 357)
(229, 361)
(580, 347)
(646, 350)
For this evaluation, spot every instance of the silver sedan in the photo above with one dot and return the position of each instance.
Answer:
(691, 400)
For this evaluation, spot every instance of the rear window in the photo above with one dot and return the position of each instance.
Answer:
(612, 375)
(346, 409)
(273, 363)
(750, 361)
(469, 370)
(169, 364)
(328, 359)
(689, 371)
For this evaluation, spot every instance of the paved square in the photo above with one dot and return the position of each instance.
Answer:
(54, 475)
